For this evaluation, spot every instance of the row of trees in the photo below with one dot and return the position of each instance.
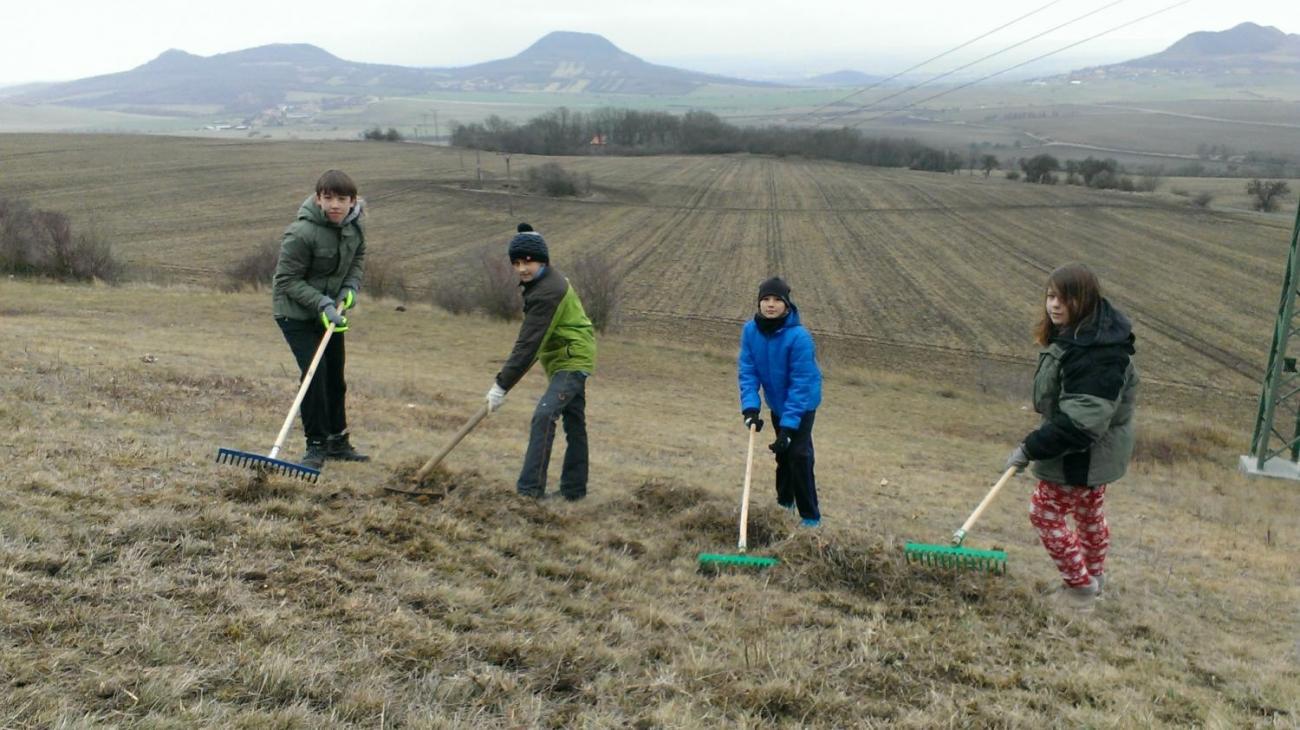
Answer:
(628, 131)
(1102, 174)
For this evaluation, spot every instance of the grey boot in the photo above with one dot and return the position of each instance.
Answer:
(1080, 598)
(314, 458)
(339, 448)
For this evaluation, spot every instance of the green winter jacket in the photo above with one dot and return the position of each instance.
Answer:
(1085, 389)
(317, 258)
(555, 331)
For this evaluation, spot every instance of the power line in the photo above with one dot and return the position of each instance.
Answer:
(946, 74)
(1035, 59)
(929, 60)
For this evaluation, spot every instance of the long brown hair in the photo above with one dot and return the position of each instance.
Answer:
(1078, 286)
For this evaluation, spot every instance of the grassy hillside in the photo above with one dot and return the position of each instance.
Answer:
(142, 585)
(888, 265)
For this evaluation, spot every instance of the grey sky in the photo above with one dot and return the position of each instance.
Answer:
(66, 39)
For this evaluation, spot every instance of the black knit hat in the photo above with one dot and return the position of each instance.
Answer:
(528, 245)
(775, 287)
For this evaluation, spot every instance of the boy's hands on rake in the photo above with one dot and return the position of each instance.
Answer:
(496, 395)
(752, 420)
(329, 314)
(347, 298)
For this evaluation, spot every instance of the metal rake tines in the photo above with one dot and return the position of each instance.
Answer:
(265, 464)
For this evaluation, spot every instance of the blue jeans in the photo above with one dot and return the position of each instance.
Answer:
(566, 397)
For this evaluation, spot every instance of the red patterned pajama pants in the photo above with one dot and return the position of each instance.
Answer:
(1081, 552)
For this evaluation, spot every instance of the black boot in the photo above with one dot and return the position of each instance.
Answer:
(315, 456)
(338, 447)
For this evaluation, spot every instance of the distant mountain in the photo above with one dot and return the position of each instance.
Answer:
(259, 78)
(571, 62)
(1248, 48)
(247, 80)
(844, 78)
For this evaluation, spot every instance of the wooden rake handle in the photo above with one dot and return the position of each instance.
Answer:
(744, 496)
(302, 392)
(960, 534)
(460, 435)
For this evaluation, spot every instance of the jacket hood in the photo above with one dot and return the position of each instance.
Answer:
(1106, 326)
(787, 320)
(309, 211)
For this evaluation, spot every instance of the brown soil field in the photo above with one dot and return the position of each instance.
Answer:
(887, 264)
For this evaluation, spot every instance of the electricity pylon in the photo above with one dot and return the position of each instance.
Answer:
(1273, 453)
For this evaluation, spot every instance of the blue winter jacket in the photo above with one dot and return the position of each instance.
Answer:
(784, 363)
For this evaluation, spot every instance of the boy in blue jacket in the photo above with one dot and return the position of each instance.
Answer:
(777, 354)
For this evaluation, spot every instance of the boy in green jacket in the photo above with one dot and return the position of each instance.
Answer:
(318, 274)
(557, 332)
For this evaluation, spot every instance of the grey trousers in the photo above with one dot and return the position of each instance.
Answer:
(565, 397)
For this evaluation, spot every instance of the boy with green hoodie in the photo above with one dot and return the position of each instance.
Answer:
(557, 332)
(317, 277)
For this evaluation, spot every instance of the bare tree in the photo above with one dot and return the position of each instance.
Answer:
(989, 163)
(1266, 193)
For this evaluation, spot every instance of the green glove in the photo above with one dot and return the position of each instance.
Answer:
(329, 314)
(347, 298)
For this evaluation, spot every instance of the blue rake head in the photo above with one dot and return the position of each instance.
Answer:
(265, 464)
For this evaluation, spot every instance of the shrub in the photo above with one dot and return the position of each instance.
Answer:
(375, 133)
(553, 180)
(1013, 174)
(499, 296)
(451, 295)
(254, 270)
(37, 242)
(383, 280)
(1202, 200)
(1265, 194)
(600, 287)
(1149, 183)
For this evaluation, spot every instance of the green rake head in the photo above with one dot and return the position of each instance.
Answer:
(948, 556)
(265, 464)
(748, 561)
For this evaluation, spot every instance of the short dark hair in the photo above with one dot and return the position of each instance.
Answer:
(337, 182)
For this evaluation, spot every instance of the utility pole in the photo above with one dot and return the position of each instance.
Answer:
(478, 167)
(510, 192)
(1279, 401)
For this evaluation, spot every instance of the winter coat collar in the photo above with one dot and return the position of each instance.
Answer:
(1105, 326)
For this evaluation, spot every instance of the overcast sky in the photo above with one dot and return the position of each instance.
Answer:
(49, 40)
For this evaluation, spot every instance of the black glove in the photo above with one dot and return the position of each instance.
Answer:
(752, 419)
(782, 442)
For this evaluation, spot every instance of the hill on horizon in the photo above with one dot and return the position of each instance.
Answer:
(257, 78)
(1246, 47)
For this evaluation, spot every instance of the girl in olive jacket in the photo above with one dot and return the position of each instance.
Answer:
(1085, 390)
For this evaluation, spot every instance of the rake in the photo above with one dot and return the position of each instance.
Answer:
(429, 465)
(268, 463)
(954, 555)
(750, 561)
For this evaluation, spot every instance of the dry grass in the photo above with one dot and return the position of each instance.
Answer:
(143, 585)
